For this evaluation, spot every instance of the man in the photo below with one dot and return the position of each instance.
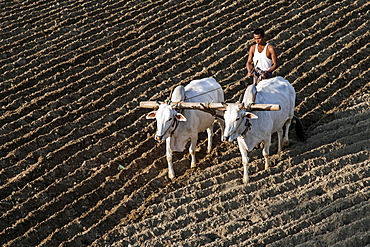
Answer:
(262, 58)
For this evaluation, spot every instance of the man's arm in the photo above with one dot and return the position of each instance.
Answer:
(250, 61)
(274, 58)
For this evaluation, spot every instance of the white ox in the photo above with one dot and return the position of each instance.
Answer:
(178, 127)
(251, 129)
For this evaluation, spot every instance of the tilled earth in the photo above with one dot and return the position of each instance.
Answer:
(72, 74)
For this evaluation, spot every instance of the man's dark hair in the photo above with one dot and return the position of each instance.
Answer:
(259, 31)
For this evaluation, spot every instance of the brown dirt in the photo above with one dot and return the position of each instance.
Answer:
(72, 74)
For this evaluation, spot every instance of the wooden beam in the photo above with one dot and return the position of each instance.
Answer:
(215, 106)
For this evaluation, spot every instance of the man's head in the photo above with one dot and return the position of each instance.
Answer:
(259, 36)
(259, 31)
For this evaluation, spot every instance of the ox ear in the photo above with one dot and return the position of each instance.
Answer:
(180, 117)
(151, 115)
(250, 115)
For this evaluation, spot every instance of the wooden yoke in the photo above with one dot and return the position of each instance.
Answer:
(214, 106)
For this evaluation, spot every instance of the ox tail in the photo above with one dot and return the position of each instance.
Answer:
(299, 129)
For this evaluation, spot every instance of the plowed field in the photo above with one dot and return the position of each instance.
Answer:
(72, 74)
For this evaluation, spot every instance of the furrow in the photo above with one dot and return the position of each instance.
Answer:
(78, 162)
(93, 29)
(175, 221)
(341, 60)
(309, 41)
(312, 212)
(344, 218)
(347, 90)
(252, 189)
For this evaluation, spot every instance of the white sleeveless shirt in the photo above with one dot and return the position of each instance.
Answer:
(264, 63)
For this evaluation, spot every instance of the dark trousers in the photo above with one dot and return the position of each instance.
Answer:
(257, 75)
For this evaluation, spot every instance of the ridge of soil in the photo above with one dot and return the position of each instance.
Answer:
(72, 74)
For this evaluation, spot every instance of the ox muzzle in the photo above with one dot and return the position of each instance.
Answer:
(227, 139)
(159, 138)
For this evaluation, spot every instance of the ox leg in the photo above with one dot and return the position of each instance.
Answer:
(221, 123)
(286, 138)
(171, 172)
(244, 153)
(193, 145)
(210, 136)
(266, 152)
(280, 140)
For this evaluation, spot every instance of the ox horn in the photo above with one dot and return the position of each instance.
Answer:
(240, 98)
(247, 107)
(172, 92)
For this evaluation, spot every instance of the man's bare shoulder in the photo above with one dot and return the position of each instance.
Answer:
(252, 48)
(271, 47)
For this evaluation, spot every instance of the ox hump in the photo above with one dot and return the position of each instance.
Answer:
(178, 94)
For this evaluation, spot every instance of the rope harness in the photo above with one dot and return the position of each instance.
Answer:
(206, 109)
(247, 125)
(204, 93)
(175, 123)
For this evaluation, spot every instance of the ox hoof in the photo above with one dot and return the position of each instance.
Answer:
(267, 162)
(285, 143)
(245, 180)
(193, 165)
(267, 165)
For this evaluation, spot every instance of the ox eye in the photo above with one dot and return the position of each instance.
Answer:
(169, 119)
(238, 118)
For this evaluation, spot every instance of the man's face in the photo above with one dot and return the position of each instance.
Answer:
(258, 39)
